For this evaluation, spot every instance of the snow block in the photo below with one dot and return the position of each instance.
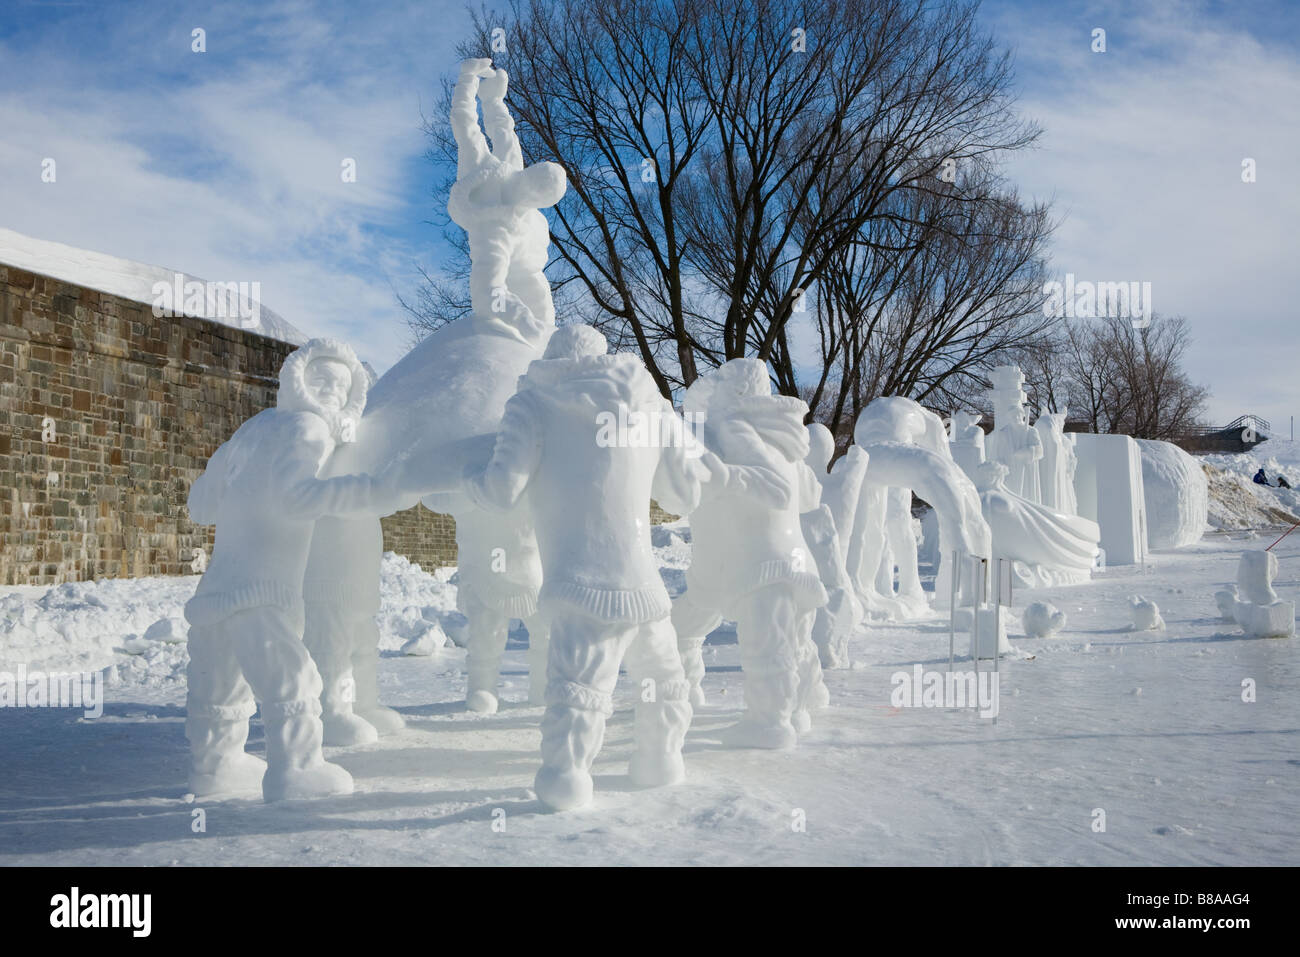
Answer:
(1176, 494)
(1274, 620)
(990, 627)
(1108, 485)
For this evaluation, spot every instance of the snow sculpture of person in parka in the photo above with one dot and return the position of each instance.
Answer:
(840, 616)
(262, 492)
(498, 580)
(750, 561)
(590, 494)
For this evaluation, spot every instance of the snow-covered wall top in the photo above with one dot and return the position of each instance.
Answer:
(129, 280)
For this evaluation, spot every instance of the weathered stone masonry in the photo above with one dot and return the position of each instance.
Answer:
(107, 414)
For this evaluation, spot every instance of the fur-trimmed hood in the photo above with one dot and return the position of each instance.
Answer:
(295, 397)
(736, 399)
(598, 382)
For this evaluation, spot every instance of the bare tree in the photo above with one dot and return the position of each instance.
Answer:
(1129, 380)
(724, 155)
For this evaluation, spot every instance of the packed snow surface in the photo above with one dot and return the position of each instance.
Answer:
(1149, 726)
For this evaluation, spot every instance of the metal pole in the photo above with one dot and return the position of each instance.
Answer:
(952, 608)
(997, 644)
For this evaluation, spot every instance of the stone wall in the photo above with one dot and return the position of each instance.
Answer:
(107, 415)
(426, 538)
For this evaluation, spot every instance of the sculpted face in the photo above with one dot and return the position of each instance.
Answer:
(329, 381)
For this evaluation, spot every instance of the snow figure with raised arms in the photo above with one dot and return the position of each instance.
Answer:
(262, 491)
(750, 561)
(601, 592)
(498, 201)
(841, 615)
(449, 388)
(1013, 442)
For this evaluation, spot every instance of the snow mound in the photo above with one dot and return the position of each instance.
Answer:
(121, 277)
(1237, 502)
(1176, 494)
(1042, 620)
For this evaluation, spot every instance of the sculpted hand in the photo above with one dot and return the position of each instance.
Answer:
(493, 84)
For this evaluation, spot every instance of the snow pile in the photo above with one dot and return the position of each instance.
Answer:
(1146, 614)
(1042, 619)
(1237, 502)
(414, 604)
(121, 277)
(135, 627)
(1176, 493)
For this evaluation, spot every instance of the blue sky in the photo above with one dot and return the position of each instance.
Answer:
(226, 164)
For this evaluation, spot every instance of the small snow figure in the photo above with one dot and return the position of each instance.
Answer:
(1042, 620)
(1146, 614)
(602, 592)
(1226, 600)
(1282, 482)
(246, 618)
(1257, 609)
(1261, 478)
(842, 613)
(750, 561)
(497, 201)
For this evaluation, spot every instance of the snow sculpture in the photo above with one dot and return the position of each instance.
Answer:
(262, 491)
(601, 591)
(1108, 484)
(967, 442)
(500, 575)
(1042, 619)
(907, 448)
(750, 561)
(1057, 466)
(1176, 493)
(1046, 547)
(498, 202)
(1255, 605)
(1013, 442)
(1146, 614)
(451, 387)
(835, 621)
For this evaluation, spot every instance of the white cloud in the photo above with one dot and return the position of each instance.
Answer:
(1142, 153)
(233, 172)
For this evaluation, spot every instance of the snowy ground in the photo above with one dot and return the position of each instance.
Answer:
(1149, 727)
